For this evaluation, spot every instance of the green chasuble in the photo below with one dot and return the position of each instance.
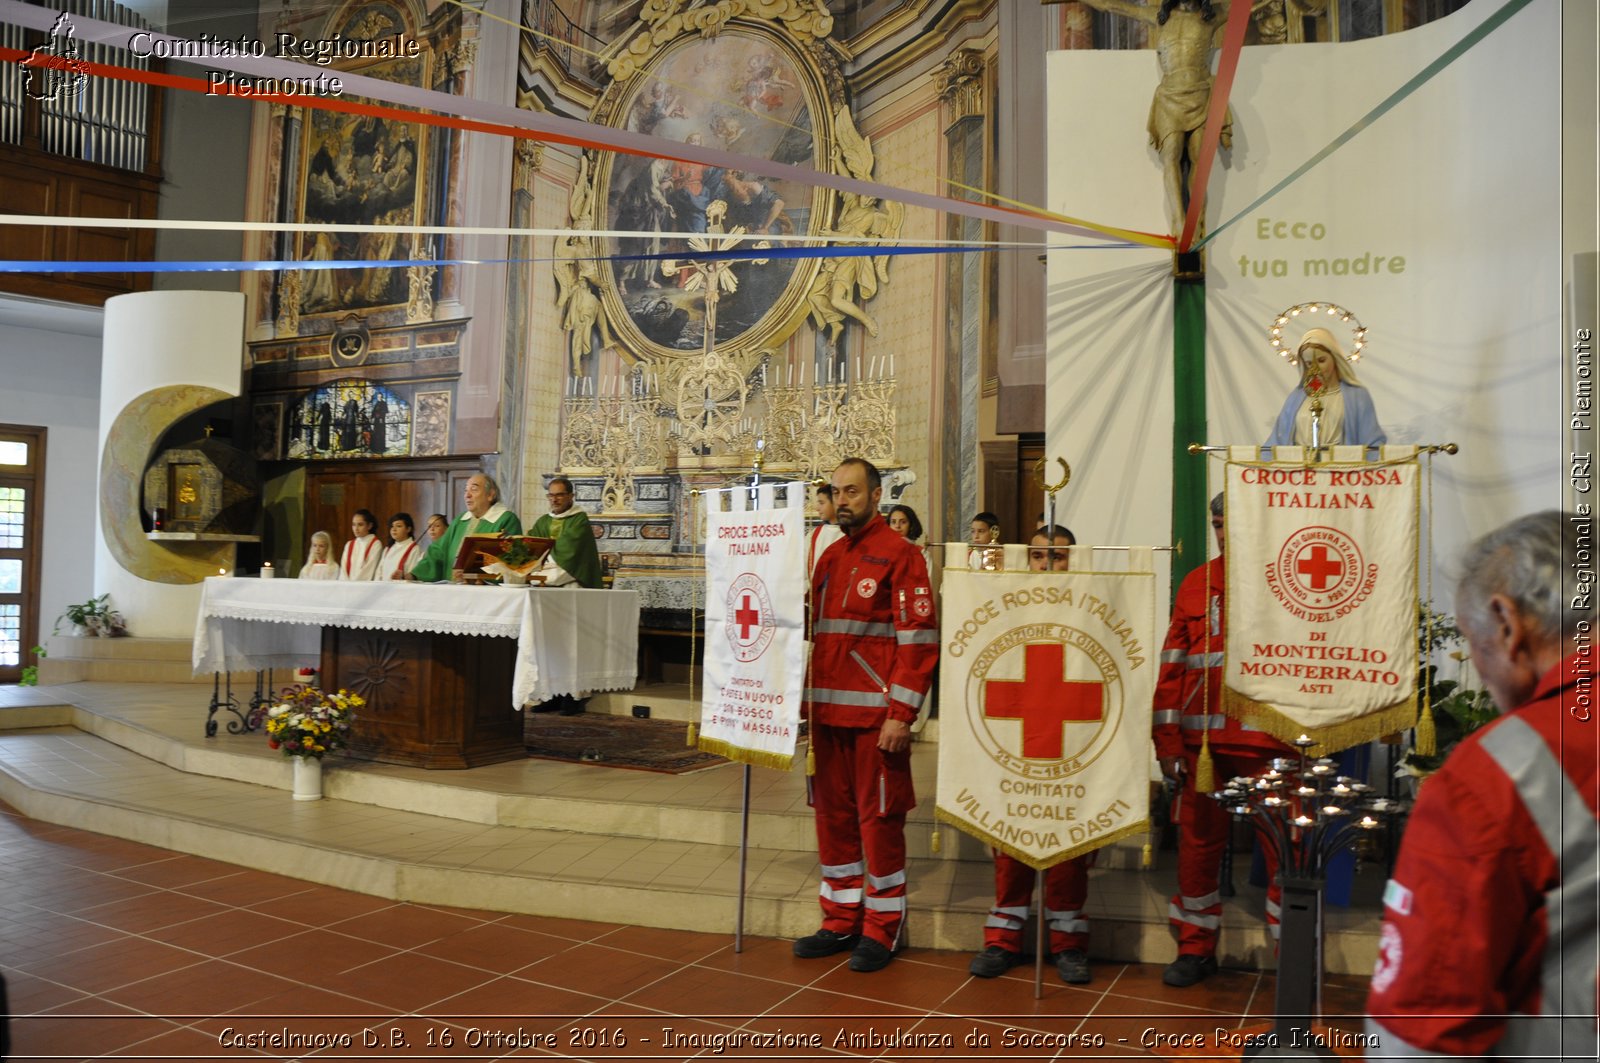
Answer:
(438, 562)
(574, 551)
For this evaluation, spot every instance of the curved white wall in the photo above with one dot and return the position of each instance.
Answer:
(153, 340)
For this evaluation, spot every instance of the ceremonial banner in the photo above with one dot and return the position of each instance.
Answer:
(755, 629)
(1045, 690)
(1321, 636)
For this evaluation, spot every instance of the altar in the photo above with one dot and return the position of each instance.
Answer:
(445, 669)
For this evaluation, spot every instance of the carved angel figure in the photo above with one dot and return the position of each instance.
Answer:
(577, 272)
(845, 282)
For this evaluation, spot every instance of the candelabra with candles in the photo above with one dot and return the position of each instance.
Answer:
(616, 429)
(1306, 813)
(816, 422)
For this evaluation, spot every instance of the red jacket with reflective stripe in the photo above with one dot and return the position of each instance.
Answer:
(1199, 618)
(1478, 886)
(875, 630)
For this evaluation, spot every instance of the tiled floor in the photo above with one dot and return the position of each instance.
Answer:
(118, 950)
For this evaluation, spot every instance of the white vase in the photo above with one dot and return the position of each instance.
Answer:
(307, 779)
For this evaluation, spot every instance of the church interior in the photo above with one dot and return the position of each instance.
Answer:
(294, 261)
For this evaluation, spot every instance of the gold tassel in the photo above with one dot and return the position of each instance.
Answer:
(694, 735)
(811, 760)
(1427, 740)
(934, 846)
(1202, 766)
(1147, 855)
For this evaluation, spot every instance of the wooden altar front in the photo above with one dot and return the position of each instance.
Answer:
(432, 700)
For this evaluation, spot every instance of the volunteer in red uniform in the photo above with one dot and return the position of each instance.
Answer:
(1066, 885)
(1186, 713)
(363, 553)
(876, 640)
(1489, 936)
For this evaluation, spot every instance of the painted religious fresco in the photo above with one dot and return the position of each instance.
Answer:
(361, 169)
(745, 90)
(348, 419)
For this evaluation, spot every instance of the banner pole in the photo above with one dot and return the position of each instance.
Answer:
(1038, 930)
(744, 810)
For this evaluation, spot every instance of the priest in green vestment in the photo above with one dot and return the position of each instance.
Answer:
(574, 558)
(484, 516)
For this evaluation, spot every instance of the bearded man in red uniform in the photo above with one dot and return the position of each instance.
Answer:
(1188, 715)
(1491, 921)
(875, 643)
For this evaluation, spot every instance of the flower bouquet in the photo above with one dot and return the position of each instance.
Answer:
(309, 723)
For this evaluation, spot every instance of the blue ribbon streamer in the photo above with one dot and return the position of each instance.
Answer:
(739, 253)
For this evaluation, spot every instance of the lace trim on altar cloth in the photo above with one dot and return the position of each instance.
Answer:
(439, 625)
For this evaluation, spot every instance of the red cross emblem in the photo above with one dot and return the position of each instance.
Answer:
(746, 616)
(1318, 567)
(1043, 700)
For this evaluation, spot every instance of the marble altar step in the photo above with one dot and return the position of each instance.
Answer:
(76, 659)
(536, 837)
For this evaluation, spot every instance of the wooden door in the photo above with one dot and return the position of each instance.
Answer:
(21, 545)
(335, 490)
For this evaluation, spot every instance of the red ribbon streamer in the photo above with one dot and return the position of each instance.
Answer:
(1227, 65)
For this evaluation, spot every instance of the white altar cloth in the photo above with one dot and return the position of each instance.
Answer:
(569, 640)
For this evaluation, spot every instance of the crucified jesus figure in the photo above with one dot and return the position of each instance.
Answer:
(1185, 32)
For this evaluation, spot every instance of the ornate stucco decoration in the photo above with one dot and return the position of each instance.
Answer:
(961, 83)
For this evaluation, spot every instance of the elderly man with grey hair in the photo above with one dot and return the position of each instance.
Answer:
(484, 516)
(1489, 938)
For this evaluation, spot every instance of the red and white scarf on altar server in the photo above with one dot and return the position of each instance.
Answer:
(400, 557)
(364, 567)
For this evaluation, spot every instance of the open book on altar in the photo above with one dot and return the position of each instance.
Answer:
(479, 550)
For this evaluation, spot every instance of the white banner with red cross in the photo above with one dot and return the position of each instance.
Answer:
(1046, 680)
(755, 627)
(1321, 635)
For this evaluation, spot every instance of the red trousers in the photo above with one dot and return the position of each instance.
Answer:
(1066, 887)
(1203, 829)
(861, 796)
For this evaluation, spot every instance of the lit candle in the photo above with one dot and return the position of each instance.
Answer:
(266, 570)
(222, 572)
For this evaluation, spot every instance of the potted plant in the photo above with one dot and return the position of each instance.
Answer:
(85, 617)
(1458, 708)
(307, 724)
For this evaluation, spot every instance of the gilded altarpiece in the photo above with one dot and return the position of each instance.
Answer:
(679, 369)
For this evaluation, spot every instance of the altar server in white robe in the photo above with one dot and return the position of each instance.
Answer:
(403, 552)
(364, 553)
(319, 559)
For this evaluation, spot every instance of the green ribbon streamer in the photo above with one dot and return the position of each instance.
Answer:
(1450, 55)
(1189, 514)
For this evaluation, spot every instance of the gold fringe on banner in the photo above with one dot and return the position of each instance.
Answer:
(761, 758)
(1400, 716)
(1100, 840)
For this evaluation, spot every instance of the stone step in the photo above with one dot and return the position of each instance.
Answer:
(78, 659)
(536, 836)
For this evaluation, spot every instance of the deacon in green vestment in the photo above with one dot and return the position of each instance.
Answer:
(574, 558)
(484, 516)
